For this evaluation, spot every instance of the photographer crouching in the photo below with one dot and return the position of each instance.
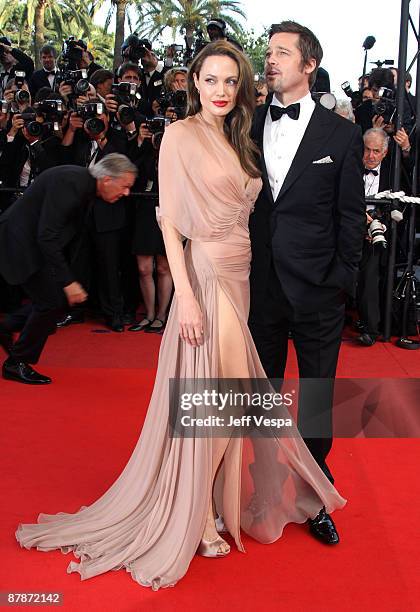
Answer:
(34, 232)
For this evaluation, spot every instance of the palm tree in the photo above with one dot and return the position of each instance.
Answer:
(119, 7)
(186, 16)
(36, 14)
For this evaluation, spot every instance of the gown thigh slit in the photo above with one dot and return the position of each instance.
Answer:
(151, 520)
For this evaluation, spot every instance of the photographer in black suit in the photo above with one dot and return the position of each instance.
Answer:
(45, 77)
(377, 161)
(34, 232)
(306, 234)
(12, 60)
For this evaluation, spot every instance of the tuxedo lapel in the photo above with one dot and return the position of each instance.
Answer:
(261, 114)
(318, 130)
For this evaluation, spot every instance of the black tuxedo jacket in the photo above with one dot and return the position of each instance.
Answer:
(151, 91)
(35, 230)
(39, 79)
(314, 231)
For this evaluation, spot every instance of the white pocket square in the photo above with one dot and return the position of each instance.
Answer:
(324, 160)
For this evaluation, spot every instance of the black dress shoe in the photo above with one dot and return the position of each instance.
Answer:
(366, 339)
(359, 326)
(129, 318)
(20, 371)
(69, 319)
(323, 528)
(115, 323)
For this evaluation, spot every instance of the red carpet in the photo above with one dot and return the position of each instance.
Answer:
(63, 445)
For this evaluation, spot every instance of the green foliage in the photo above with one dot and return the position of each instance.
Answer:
(255, 47)
(65, 18)
(62, 19)
(186, 16)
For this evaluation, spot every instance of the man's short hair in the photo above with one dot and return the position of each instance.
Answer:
(128, 66)
(113, 165)
(100, 76)
(408, 78)
(48, 50)
(381, 77)
(308, 44)
(380, 132)
(46, 93)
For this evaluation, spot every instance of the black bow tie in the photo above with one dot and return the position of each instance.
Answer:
(374, 172)
(47, 72)
(277, 112)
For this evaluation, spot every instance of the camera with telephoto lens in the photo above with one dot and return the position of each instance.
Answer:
(157, 126)
(385, 107)
(355, 96)
(382, 213)
(51, 110)
(176, 100)
(89, 114)
(33, 126)
(71, 53)
(137, 48)
(376, 229)
(77, 79)
(125, 95)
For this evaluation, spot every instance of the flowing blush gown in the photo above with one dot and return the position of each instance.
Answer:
(151, 520)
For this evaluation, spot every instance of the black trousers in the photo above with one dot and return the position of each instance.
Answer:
(37, 320)
(107, 254)
(368, 288)
(317, 339)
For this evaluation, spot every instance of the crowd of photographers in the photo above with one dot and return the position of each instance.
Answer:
(73, 111)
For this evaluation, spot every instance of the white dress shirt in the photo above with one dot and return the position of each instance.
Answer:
(372, 183)
(158, 69)
(50, 77)
(282, 139)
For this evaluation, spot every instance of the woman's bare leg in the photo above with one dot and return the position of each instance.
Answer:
(147, 284)
(232, 364)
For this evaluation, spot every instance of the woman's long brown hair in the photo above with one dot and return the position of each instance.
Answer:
(237, 125)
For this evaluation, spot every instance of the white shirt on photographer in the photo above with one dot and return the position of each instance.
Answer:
(372, 184)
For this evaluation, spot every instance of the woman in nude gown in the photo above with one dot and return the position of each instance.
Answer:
(159, 512)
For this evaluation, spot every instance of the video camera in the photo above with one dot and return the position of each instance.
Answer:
(125, 94)
(89, 113)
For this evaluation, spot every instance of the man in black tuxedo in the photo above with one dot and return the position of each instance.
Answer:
(34, 232)
(306, 234)
(378, 169)
(45, 77)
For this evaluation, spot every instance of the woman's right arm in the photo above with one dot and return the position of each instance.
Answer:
(189, 312)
